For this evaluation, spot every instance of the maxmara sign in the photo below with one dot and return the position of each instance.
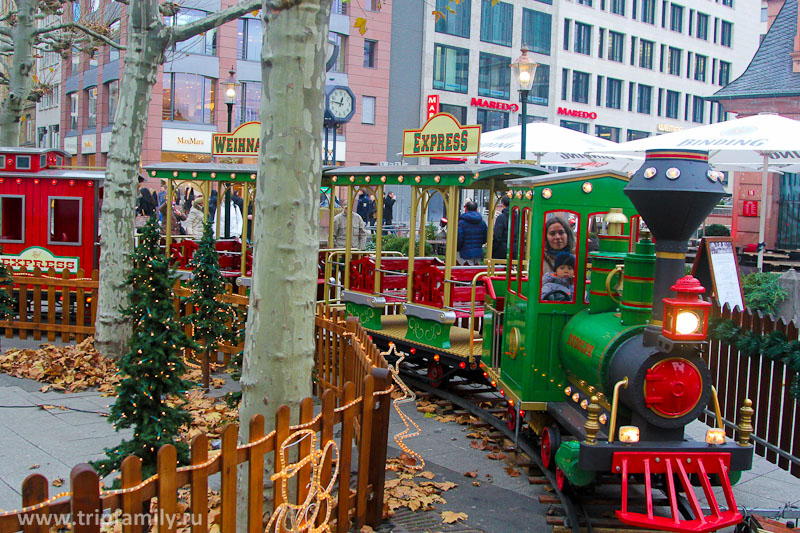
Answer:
(441, 135)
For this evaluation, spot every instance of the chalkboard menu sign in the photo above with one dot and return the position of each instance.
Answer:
(716, 268)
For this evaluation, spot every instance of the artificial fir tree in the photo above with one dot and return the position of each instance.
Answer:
(149, 397)
(213, 320)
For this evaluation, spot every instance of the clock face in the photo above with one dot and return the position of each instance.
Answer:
(340, 103)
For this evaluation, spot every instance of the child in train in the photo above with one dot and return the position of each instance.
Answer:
(559, 285)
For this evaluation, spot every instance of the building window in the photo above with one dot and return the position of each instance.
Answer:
(91, 107)
(12, 218)
(494, 76)
(370, 52)
(564, 83)
(601, 42)
(188, 98)
(631, 90)
(492, 120)
(616, 45)
(584, 2)
(673, 102)
(341, 41)
(728, 3)
(249, 44)
(676, 18)
(645, 96)
(608, 133)
(674, 66)
(458, 111)
(646, 54)
(340, 7)
(373, 5)
(63, 214)
(700, 63)
(455, 23)
(727, 34)
(633, 50)
(618, 7)
(702, 26)
(368, 110)
(450, 68)
(73, 111)
(636, 134)
(248, 102)
(540, 90)
(204, 44)
(567, 25)
(598, 99)
(613, 93)
(724, 73)
(112, 92)
(497, 20)
(536, 30)
(583, 38)
(55, 137)
(580, 87)
(698, 109)
(649, 11)
(577, 126)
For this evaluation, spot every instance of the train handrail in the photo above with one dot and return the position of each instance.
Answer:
(612, 424)
(473, 293)
(339, 251)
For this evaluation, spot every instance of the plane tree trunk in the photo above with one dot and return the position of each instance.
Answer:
(20, 81)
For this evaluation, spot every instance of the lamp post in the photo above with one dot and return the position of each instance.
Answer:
(230, 98)
(524, 68)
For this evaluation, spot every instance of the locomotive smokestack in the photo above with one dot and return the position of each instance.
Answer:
(674, 191)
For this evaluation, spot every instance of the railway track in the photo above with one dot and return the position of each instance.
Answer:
(575, 511)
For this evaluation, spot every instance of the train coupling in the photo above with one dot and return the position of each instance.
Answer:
(680, 465)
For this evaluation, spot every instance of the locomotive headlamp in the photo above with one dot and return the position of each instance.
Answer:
(629, 434)
(715, 436)
(686, 315)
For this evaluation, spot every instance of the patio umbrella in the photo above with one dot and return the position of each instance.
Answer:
(759, 141)
(552, 145)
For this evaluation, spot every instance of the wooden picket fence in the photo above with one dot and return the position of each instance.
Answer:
(765, 382)
(319, 474)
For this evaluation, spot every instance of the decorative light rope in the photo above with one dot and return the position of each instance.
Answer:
(303, 517)
(408, 396)
(45, 276)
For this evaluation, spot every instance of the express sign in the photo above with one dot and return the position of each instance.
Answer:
(591, 115)
(441, 135)
(491, 104)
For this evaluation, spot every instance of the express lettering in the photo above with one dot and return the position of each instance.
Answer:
(439, 142)
(580, 345)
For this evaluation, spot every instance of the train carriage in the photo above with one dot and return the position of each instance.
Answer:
(48, 214)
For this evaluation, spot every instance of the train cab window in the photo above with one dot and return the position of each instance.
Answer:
(559, 250)
(518, 247)
(43, 161)
(12, 218)
(64, 213)
(23, 162)
(2, 162)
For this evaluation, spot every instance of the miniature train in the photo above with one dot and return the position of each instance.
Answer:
(609, 377)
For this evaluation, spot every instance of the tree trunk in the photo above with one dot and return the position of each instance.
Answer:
(20, 81)
(146, 44)
(279, 345)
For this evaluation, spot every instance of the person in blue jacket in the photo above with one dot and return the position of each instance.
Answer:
(472, 232)
(363, 205)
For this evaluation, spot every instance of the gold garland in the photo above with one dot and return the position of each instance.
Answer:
(408, 396)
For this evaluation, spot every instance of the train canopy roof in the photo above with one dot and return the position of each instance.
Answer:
(567, 177)
(225, 172)
(472, 176)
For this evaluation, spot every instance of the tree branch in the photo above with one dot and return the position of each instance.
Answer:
(187, 31)
(78, 26)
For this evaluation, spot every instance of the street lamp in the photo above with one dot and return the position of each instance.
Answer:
(230, 95)
(524, 68)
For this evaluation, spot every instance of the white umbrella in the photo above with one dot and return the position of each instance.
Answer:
(552, 145)
(764, 140)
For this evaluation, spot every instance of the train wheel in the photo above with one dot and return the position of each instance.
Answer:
(511, 418)
(550, 441)
(435, 374)
(561, 479)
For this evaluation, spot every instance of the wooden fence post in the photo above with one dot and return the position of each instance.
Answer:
(167, 489)
(378, 446)
(199, 485)
(132, 507)
(348, 374)
(34, 490)
(85, 505)
(228, 469)
(255, 476)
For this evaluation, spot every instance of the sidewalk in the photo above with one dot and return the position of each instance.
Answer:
(57, 440)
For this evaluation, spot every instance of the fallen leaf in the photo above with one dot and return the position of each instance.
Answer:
(59, 481)
(496, 456)
(366, 529)
(427, 475)
(476, 483)
(513, 472)
(471, 474)
(34, 466)
(449, 517)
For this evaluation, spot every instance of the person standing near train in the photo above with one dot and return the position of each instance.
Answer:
(500, 233)
(472, 231)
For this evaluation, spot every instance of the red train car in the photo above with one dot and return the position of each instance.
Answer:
(48, 214)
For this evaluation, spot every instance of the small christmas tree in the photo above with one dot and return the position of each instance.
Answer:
(213, 320)
(149, 397)
(6, 299)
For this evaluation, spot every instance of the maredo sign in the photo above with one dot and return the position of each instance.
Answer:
(491, 104)
(441, 135)
(577, 114)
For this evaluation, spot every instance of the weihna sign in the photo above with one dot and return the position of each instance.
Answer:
(244, 140)
(441, 135)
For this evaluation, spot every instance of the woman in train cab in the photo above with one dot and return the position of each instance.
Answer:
(558, 238)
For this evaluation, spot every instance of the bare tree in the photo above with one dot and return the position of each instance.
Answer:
(27, 31)
(149, 38)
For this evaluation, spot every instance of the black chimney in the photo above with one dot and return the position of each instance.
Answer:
(673, 191)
